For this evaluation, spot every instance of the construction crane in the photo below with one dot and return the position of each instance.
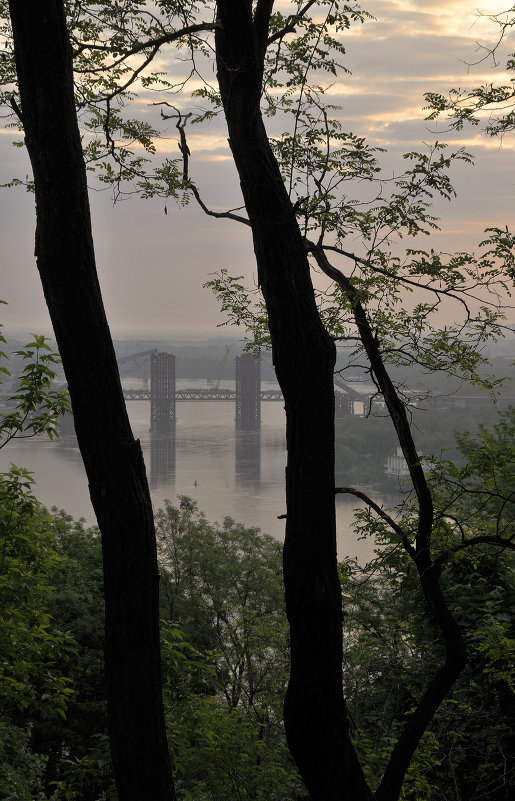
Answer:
(138, 360)
(216, 384)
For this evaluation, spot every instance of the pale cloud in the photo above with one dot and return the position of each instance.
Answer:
(424, 17)
(204, 143)
(411, 47)
(152, 266)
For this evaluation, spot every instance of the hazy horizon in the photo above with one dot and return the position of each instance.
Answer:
(152, 265)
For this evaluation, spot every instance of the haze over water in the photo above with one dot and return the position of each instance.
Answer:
(229, 473)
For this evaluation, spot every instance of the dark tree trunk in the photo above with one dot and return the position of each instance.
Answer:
(113, 459)
(304, 355)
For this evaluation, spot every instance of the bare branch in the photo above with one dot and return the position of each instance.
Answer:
(429, 572)
(394, 404)
(182, 119)
(16, 108)
(262, 16)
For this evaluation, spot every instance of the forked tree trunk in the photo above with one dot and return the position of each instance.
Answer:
(304, 355)
(113, 459)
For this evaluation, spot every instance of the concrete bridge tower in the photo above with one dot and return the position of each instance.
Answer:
(248, 392)
(162, 391)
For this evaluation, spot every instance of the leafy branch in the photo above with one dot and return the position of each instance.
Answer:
(37, 406)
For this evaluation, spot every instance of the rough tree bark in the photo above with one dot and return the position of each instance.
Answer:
(113, 459)
(304, 355)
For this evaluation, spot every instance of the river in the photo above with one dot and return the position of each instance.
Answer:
(229, 473)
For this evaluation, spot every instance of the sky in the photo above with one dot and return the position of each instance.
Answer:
(152, 265)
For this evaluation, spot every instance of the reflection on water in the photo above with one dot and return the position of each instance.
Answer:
(162, 459)
(229, 472)
(247, 461)
(247, 457)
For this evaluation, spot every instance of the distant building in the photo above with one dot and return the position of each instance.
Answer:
(482, 401)
(343, 405)
(397, 465)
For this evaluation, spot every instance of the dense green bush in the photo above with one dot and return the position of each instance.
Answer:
(225, 655)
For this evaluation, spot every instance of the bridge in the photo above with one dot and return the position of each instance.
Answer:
(247, 394)
(210, 394)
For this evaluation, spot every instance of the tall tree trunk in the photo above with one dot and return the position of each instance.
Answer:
(304, 355)
(113, 459)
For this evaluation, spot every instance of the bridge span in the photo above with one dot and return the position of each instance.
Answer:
(247, 394)
(209, 394)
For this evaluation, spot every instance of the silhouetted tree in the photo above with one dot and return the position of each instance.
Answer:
(113, 459)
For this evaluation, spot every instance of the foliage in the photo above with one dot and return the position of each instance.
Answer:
(78, 748)
(115, 49)
(35, 405)
(223, 656)
(32, 687)
(224, 671)
(477, 497)
(391, 650)
(37, 684)
(391, 644)
(223, 710)
(218, 751)
(52, 704)
(492, 104)
(223, 745)
(406, 336)
(222, 584)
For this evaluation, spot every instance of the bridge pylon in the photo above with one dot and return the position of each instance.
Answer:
(248, 392)
(162, 391)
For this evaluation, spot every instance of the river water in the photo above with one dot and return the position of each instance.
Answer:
(229, 473)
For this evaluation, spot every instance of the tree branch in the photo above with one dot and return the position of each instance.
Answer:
(429, 573)
(382, 514)
(183, 147)
(389, 274)
(394, 404)
(290, 23)
(166, 38)
(15, 107)
(498, 542)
